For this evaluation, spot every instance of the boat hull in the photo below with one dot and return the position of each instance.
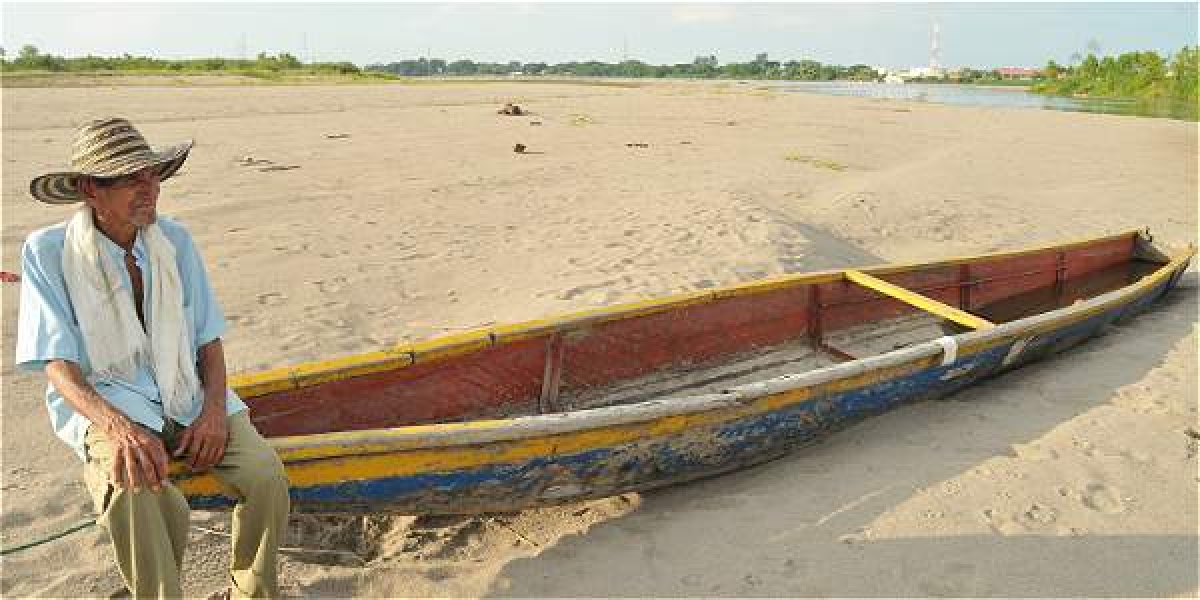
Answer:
(500, 466)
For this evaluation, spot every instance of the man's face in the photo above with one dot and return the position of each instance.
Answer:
(126, 200)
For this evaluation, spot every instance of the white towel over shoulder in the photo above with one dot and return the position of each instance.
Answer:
(115, 342)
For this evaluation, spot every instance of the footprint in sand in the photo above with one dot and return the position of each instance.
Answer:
(1033, 452)
(1004, 524)
(1102, 498)
(243, 320)
(272, 298)
(583, 289)
(1140, 400)
(416, 256)
(335, 323)
(298, 338)
(1037, 515)
(332, 286)
(1084, 446)
(994, 520)
(369, 267)
(15, 519)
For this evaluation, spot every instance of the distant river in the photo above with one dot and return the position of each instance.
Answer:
(973, 95)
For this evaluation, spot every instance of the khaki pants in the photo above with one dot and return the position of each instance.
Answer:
(149, 529)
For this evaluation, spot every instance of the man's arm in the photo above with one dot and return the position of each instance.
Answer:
(139, 456)
(203, 442)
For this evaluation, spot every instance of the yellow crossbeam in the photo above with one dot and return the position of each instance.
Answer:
(922, 302)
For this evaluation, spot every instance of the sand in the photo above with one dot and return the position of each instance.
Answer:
(341, 219)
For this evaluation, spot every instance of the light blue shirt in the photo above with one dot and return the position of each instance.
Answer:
(47, 329)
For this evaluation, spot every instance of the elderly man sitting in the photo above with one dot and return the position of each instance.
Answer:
(116, 309)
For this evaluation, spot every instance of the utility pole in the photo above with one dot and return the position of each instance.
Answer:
(935, 49)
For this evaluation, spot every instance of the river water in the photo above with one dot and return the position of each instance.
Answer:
(975, 95)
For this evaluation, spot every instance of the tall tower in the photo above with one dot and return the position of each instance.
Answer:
(935, 49)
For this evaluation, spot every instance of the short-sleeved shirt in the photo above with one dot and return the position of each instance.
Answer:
(47, 328)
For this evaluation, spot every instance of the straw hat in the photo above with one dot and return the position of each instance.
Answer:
(109, 147)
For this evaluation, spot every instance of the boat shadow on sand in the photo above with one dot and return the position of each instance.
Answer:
(802, 525)
(805, 524)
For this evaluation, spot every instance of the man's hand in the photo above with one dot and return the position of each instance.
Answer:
(203, 442)
(139, 457)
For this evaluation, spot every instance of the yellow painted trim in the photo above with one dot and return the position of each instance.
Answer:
(351, 366)
(450, 345)
(777, 283)
(276, 380)
(569, 321)
(335, 457)
(970, 258)
(261, 383)
(350, 444)
(1135, 292)
(922, 302)
(313, 373)
(311, 465)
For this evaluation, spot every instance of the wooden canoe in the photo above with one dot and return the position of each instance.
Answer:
(642, 395)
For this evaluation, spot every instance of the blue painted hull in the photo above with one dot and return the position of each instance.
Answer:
(693, 453)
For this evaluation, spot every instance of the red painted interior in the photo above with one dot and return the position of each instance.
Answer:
(493, 381)
(628, 348)
(507, 379)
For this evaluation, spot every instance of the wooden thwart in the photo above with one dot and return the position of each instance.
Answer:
(922, 302)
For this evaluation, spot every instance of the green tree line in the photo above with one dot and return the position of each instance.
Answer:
(30, 59)
(704, 67)
(1141, 75)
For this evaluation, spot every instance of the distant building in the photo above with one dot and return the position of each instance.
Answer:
(923, 72)
(1017, 72)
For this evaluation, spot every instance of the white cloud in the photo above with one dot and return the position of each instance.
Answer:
(703, 13)
(525, 9)
(107, 30)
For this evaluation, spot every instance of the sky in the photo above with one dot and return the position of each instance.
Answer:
(896, 35)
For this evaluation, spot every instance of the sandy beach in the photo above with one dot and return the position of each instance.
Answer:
(345, 219)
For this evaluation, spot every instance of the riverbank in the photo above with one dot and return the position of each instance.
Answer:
(1002, 96)
(371, 215)
(38, 79)
(1012, 94)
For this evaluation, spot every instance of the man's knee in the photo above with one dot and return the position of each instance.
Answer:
(270, 476)
(251, 465)
(259, 477)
